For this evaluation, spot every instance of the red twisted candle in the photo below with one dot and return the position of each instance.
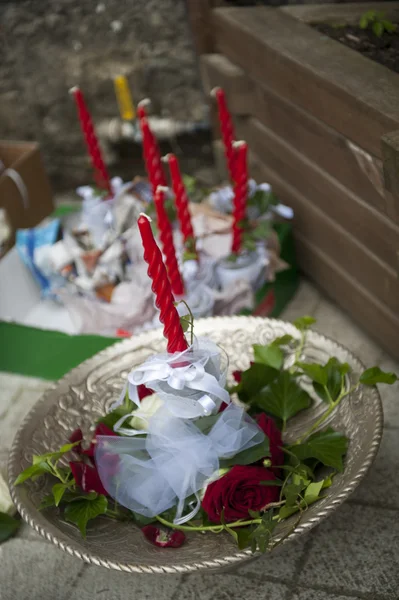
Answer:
(168, 248)
(164, 300)
(100, 170)
(240, 193)
(226, 129)
(181, 200)
(141, 108)
(152, 156)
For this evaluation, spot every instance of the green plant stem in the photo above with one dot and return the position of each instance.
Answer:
(57, 473)
(328, 412)
(208, 527)
(114, 514)
(298, 351)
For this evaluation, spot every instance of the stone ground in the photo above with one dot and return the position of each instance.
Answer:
(353, 554)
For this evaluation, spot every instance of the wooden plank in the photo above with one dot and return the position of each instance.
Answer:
(199, 15)
(390, 151)
(374, 317)
(340, 87)
(340, 13)
(353, 167)
(217, 70)
(369, 227)
(331, 238)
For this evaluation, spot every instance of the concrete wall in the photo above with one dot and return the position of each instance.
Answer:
(47, 46)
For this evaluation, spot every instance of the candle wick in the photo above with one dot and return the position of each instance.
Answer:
(146, 216)
(74, 89)
(166, 158)
(214, 91)
(162, 188)
(144, 102)
(238, 143)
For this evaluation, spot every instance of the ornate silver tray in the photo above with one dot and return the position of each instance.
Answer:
(87, 392)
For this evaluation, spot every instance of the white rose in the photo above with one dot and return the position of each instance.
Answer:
(6, 504)
(148, 407)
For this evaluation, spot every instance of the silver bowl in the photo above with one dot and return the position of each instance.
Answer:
(87, 392)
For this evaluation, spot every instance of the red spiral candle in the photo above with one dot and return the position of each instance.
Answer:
(181, 201)
(100, 170)
(226, 130)
(168, 248)
(152, 156)
(141, 108)
(240, 194)
(164, 300)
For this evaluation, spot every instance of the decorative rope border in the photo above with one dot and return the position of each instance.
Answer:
(71, 548)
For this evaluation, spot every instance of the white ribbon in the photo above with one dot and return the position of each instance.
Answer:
(194, 373)
(173, 462)
(19, 182)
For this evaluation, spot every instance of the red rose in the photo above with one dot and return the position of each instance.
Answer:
(87, 478)
(237, 375)
(270, 429)
(163, 539)
(143, 391)
(239, 491)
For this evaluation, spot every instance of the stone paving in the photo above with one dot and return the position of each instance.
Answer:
(353, 554)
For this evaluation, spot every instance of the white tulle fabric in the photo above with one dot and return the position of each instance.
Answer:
(154, 473)
(190, 383)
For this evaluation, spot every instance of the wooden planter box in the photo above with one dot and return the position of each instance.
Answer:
(322, 122)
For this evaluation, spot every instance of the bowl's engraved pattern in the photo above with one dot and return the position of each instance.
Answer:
(88, 391)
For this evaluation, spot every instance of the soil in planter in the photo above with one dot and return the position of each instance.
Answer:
(384, 50)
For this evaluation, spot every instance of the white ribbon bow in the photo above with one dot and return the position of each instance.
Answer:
(151, 474)
(194, 373)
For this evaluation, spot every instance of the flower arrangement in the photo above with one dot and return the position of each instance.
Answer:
(181, 451)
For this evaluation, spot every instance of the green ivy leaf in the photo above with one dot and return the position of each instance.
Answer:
(389, 27)
(283, 398)
(261, 231)
(113, 417)
(33, 472)
(336, 372)
(263, 532)
(288, 511)
(81, 512)
(292, 491)
(8, 526)
(329, 447)
(271, 483)
(243, 537)
(190, 183)
(74, 495)
(364, 20)
(376, 375)
(284, 340)
(271, 355)
(185, 323)
(378, 28)
(141, 520)
(313, 490)
(303, 323)
(315, 372)
(58, 490)
(53, 456)
(253, 380)
(248, 456)
(47, 502)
